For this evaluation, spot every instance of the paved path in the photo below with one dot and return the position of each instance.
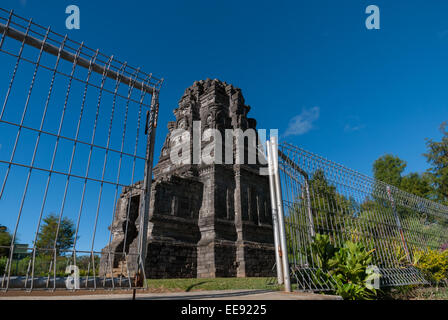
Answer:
(197, 295)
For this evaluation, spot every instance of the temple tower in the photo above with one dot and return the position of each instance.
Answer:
(205, 219)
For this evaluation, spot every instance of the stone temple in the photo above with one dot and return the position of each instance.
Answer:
(205, 220)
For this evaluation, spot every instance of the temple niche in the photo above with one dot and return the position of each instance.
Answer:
(205, 220)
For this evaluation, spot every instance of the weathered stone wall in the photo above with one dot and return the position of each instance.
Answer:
(205, 220)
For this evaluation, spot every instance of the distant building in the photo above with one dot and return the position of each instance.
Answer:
(20, 251)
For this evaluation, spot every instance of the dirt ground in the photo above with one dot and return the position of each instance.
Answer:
(170, 295)
(64, 292)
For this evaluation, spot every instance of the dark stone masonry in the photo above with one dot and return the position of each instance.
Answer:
(205, 220)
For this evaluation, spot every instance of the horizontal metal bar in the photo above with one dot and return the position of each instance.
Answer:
(74, 78)
(292, 164)
(70, 175)
(51, 49)
(348, 206)
(134, 156)
(71, 251)
(156, 82)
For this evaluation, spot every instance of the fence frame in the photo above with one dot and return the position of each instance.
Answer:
(303, 208)
(46, 41)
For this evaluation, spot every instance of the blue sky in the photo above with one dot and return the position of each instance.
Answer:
(309, 68)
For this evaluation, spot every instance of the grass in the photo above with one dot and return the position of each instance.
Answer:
(186, 285)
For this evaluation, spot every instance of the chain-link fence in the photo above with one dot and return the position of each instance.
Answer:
(322, 197)
(76, 126)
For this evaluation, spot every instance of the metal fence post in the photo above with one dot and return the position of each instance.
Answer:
(281, 220)
(291, 163)
(278, 260)
(151, 124)
(398, 222)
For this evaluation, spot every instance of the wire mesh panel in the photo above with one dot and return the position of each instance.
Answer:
(323, 197)
(76, 126)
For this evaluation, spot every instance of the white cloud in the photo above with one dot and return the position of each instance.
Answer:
(303, 122)
(353, 128)
(353, 123)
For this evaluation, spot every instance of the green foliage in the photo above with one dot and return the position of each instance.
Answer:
(433, 264)
(41, 266)
(328, 206)
(346, 267)
(5, 241)
(3, 261)
(48, 230)
(349, 268)
(84, 263)
(388, 169)
(432, 184)
(437, 157)
(321, 251)
(193, 284)
(401, 256)
(43, 263)
(418, 184)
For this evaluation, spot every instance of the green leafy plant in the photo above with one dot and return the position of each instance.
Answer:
(3, 261)
(321, 251)
(349, 267)
(5, 241)
(346, 267)
(433, 264)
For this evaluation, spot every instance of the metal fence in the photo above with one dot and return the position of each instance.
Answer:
(319, 196)
(75, 127)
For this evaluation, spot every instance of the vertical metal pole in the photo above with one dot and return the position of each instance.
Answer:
(278, 260)
(308, 207)
(281, 220)
(398, 222)
(307, 189)
(144, 209)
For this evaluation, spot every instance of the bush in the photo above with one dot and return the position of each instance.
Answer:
(321, 251)
(5, 241)
(350, 269)
(433, 264)
(3, 261)
(346, 267)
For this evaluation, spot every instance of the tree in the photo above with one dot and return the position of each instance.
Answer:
(48, 230)
(5, 241)
(329, 207)
(418, 184)
(437, 157)
(388, 169)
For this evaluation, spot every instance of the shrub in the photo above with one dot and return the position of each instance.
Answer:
(321, 251)
(350, 269)
(433, 264)
(346, 267)
(3, 261)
